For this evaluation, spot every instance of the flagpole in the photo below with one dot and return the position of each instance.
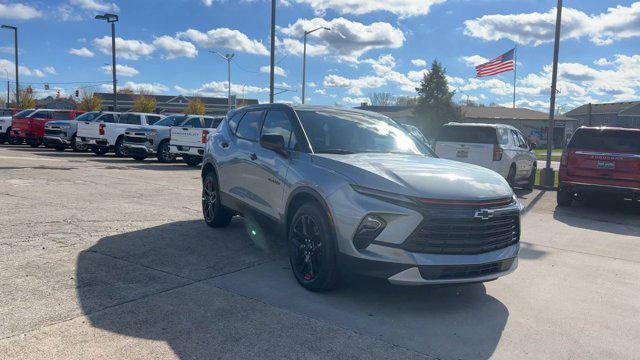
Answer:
(515, 69)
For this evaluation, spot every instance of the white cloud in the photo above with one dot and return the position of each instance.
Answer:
(95, 5)
(174, 48)
(82, 52)
(402, 8)
(9, 66)
(320, 92)
(353, 86)
(602, 62)
(225, 38)
(121, 70)
(126, 49)
(276, 70)
(19, 11)
(220, 89)
(473, 60)
(347, 40)
(50, 70)
(153, 88)
(419, 62)
(616, 23)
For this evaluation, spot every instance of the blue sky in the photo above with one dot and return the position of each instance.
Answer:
(373, 46)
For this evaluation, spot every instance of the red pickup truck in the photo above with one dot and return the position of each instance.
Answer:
(31, 128)
(600, 160)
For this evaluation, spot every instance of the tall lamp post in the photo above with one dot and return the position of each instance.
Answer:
(272, 63)
(7, 73)
(304, 58)
(227, 57)
(547, 175)
(15, 43)
(112, 19)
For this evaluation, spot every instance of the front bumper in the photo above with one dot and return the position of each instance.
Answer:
(140, 149)
(186, 150)
(24, 134)
(590, 188)
(56, 140)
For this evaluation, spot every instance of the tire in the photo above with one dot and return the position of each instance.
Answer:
(60, 148)
(120, 150)
(34, 143)
(192, 160)
(511, 177)
(76, 146)
(215, 214)
(564, 197)
(164, 155)
(139, 157)
(532, 178)
(14, 140)
(313, 249)
(99, 150)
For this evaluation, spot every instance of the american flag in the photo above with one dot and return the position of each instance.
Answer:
(502, 63)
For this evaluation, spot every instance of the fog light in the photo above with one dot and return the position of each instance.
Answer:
(370, 227)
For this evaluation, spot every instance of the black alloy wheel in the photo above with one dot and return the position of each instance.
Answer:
(120, 150)
(164, 153)
(215, 214)
(77, 146)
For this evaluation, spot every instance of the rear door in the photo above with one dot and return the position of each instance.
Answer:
(469, 144)
(520, 157)
(609, 154)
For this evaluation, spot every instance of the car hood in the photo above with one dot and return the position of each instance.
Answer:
(5, 118)
(418, 176)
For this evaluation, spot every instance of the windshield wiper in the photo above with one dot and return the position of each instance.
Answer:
(336, 151)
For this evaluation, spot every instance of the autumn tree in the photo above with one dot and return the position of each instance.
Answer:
(195, 107)
(435, 106)
(89, 102)
(144, 103)
(381, 99)
(27, 100)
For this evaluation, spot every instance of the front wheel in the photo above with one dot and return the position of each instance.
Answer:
(100, 150)
(34, 143)
(77, 146)
(313, 249)
(192, 160)
(120, 150)
(14, 140)
(215, 214)
(164, 154)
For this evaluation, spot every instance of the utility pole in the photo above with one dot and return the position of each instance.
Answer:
(7, 102)
(547, 176)
(227, 57)
(304, 58)
(273, 51)
(112, 19)
(15, 44)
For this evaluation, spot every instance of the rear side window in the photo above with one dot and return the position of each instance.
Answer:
(90, 116)
(192, 123)
(212, 123)
(130, 119)
(153, 119)
(42, 115)
(60, 115)
(468, 134)
(249, 126)
(107, 118)
(606, 140)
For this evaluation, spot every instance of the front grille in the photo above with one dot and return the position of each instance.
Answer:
(446, 272)
(463, 234)
(54, 132)
(135, 139)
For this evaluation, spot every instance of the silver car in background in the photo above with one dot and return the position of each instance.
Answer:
(353, 191)
(154, 139)
(62, 134)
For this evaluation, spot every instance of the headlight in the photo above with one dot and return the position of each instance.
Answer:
(382, 195)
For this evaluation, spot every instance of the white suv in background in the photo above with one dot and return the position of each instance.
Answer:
(498, 147)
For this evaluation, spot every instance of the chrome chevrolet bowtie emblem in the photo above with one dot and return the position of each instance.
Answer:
(484, 214)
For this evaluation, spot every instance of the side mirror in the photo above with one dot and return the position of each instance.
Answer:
(274, 143)
(532, 146)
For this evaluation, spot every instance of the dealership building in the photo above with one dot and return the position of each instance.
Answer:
(620, 114)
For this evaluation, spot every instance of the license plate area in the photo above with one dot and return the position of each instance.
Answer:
(462, 153)
(606, 165)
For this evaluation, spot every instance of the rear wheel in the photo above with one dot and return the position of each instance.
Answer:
(215, 214)
(139, 157)
(34, 143)
(511, 177)
(192, 160)
(59, 148)
(312, 249)
(14, 140)
(164, 155)
(99, 150)
(532, 178)
(564, 197)
(120, 150)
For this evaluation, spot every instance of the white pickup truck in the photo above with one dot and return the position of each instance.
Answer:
(107, 131)
(188, 139)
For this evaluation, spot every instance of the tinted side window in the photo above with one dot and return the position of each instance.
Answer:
(42, 115)
(60, 115)
(606, 140)
(192, 123)
(468, 134)
(130, 119)
(277, 123)
(249, 126)
(212, 123)
(108, 118)
(153, 119)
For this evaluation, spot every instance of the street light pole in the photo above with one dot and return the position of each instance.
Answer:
(227, 57)
(547, 176)
(15, 43)
(112, 19)
(304, 58)
(273, 51)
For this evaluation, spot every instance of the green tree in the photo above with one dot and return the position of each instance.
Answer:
(90, 102)
(435, 106)
(195, 107)
(144, 103)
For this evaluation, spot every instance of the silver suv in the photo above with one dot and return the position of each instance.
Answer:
(354, 191)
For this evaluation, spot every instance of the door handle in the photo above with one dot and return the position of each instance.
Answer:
(253, 156)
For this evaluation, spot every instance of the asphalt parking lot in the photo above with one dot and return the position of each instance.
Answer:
(108, 258)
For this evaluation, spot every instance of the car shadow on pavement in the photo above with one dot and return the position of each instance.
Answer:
(148, 164)
(189, 285)
(602, 213)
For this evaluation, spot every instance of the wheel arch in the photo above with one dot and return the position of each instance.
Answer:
(303, 195)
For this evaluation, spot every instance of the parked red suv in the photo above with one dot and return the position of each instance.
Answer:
(603, 159)
(31, 128)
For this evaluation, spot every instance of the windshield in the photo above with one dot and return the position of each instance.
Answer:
(23, 113)
(173, 120)
(350, 132)
(90, 116)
